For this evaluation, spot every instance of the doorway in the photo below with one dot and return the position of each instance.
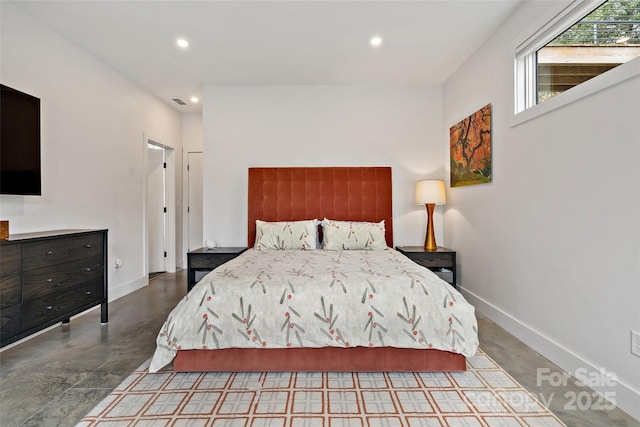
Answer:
(159, 214)
(156, 209)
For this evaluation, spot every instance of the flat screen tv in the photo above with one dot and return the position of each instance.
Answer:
(19, 143)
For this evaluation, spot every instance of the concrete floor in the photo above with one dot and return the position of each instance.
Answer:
(56, 378)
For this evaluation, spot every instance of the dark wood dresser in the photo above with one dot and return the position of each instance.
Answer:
(47, 277)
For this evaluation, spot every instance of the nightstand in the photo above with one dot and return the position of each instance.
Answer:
(204, 260)
(437, 261)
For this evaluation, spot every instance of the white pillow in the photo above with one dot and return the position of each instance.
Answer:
(339, 235)
(286, 235)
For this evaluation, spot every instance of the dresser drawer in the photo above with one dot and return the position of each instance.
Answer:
(56, 251)
(49, 307)
(10, 291)
(43, 281)
(10, 260)
(10, 321)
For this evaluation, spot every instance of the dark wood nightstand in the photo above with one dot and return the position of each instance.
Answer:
(205, 260)
(436, 261)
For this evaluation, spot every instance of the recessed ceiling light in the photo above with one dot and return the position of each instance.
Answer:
(376, 41)
(183, 43)
(195, 99)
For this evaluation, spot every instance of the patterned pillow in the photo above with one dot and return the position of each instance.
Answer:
(286, 235)
(338, 235)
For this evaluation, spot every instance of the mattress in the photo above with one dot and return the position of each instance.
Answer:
(319, 298)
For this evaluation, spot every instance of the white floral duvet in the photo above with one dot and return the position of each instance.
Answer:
(319, 298)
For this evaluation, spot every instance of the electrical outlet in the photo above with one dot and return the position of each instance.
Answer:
(635, 343)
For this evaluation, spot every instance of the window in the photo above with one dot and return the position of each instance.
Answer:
(585, 40)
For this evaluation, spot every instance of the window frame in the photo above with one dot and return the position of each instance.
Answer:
(543, 31)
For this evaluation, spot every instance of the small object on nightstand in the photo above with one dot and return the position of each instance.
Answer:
(204, 260)
(442, 261)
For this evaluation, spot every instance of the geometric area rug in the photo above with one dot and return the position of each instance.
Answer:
(484, 395)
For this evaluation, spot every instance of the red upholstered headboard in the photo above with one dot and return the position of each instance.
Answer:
(338, 193)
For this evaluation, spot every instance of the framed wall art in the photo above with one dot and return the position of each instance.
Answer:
(470, 149)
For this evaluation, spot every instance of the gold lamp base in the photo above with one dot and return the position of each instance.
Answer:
(430, 239)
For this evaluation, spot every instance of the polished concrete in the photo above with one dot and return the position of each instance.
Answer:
(56, 378)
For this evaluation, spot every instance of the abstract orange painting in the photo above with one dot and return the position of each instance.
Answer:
(470, 149)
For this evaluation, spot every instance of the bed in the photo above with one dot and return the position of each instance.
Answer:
(342, 307)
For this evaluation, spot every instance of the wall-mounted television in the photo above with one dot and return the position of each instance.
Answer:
(19, 143)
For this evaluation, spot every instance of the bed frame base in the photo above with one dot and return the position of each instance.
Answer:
(327, 359)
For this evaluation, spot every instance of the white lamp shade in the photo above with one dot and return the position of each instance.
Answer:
(430, 191)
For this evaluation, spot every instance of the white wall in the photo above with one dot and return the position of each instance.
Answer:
(246, 126)
(93, 122)
(550, 249)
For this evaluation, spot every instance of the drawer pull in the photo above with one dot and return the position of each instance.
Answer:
(88, 293)
(88, 269)
(88, 246)
(49, 253)
(49, 307)
(49, 280)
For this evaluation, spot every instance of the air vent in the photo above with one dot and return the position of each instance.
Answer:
(179, 101)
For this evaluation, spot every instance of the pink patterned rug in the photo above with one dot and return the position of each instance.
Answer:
(484, 395)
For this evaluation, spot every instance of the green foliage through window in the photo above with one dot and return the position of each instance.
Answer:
(605, 38)
(613, 23)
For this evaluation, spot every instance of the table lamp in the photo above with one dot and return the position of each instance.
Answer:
(431, 193)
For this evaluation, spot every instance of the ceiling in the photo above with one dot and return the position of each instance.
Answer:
(274, 42)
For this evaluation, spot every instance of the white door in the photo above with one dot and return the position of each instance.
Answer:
(156, 208)
(194, 202)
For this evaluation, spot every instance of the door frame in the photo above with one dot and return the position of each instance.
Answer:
(157, 255)
(188, 200)
(170, 197)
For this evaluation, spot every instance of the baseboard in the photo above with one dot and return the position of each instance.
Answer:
(626, 398)
(126, 288)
